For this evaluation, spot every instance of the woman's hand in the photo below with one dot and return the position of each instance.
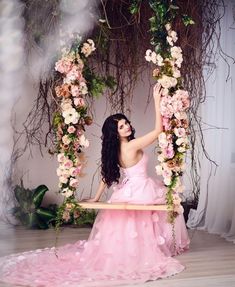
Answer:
(157, 92)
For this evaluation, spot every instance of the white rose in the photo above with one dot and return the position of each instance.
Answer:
(167, 82)
(179, 141)
(66, 140)
(63, 179)
(170, 40)
(181, 149)
(173, 35)
(168, 26)
(181, 115)
(67, 192)
(161, 158)
(167, 180)
(158, 169)
(159, 60)
(176, 73)
(179, 61)
(83, 88)
(61, 157)
(176, 52)
(83, 141)
(66, 104)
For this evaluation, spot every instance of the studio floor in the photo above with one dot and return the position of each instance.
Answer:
(209, 262)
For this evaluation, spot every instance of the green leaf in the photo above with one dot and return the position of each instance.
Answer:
(45, 214)
(187, 20)
(57, 119)
(38, 195)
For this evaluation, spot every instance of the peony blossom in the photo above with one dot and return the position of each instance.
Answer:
(66, 104)
(79, 102)
(166, 107)
(74, 171)
(68, 163)
(163, 143)
(63, 91)
(70, 116)
(166, 123)
(167, 82)
(169, 151)
(176, 52)
(66, 140)
(180, 132)
(64, 65)
(74, 75)
(75, 91)
(181, 116)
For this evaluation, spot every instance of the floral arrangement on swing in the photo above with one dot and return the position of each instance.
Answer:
(173, 141)
(78, 83)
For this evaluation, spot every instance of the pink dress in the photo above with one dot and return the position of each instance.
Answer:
(124, 247)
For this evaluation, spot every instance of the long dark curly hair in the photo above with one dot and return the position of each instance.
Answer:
(110, 168)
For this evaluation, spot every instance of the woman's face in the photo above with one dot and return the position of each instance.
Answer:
(124, 128)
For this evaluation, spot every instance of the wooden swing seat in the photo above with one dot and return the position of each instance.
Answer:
(123, 206)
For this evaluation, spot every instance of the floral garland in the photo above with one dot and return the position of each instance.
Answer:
(78, 82)
(173, 141)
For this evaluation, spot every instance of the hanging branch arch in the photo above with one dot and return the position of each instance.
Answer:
(123, 32)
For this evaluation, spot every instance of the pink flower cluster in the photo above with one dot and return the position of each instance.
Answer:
(173, 141)
(70, 133)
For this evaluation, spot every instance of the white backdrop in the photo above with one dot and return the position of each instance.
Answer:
(216, 209)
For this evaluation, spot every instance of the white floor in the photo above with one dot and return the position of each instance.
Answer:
(210, 262)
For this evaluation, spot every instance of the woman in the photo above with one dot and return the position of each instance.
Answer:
(124, 247)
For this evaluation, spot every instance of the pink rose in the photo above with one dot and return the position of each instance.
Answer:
(71, 129)
(63, 66)
(73, 182)
(79, 102)
(68, 163)
(75, 91)
(74, 74)
(166, 123)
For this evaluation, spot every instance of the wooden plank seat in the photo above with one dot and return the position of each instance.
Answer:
(122, 205)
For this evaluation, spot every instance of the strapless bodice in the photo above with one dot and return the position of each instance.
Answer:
(137, 170)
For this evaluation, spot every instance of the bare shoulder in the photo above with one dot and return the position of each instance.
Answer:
(129, 157)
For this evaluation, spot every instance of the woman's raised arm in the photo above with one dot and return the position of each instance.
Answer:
(150, 137)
